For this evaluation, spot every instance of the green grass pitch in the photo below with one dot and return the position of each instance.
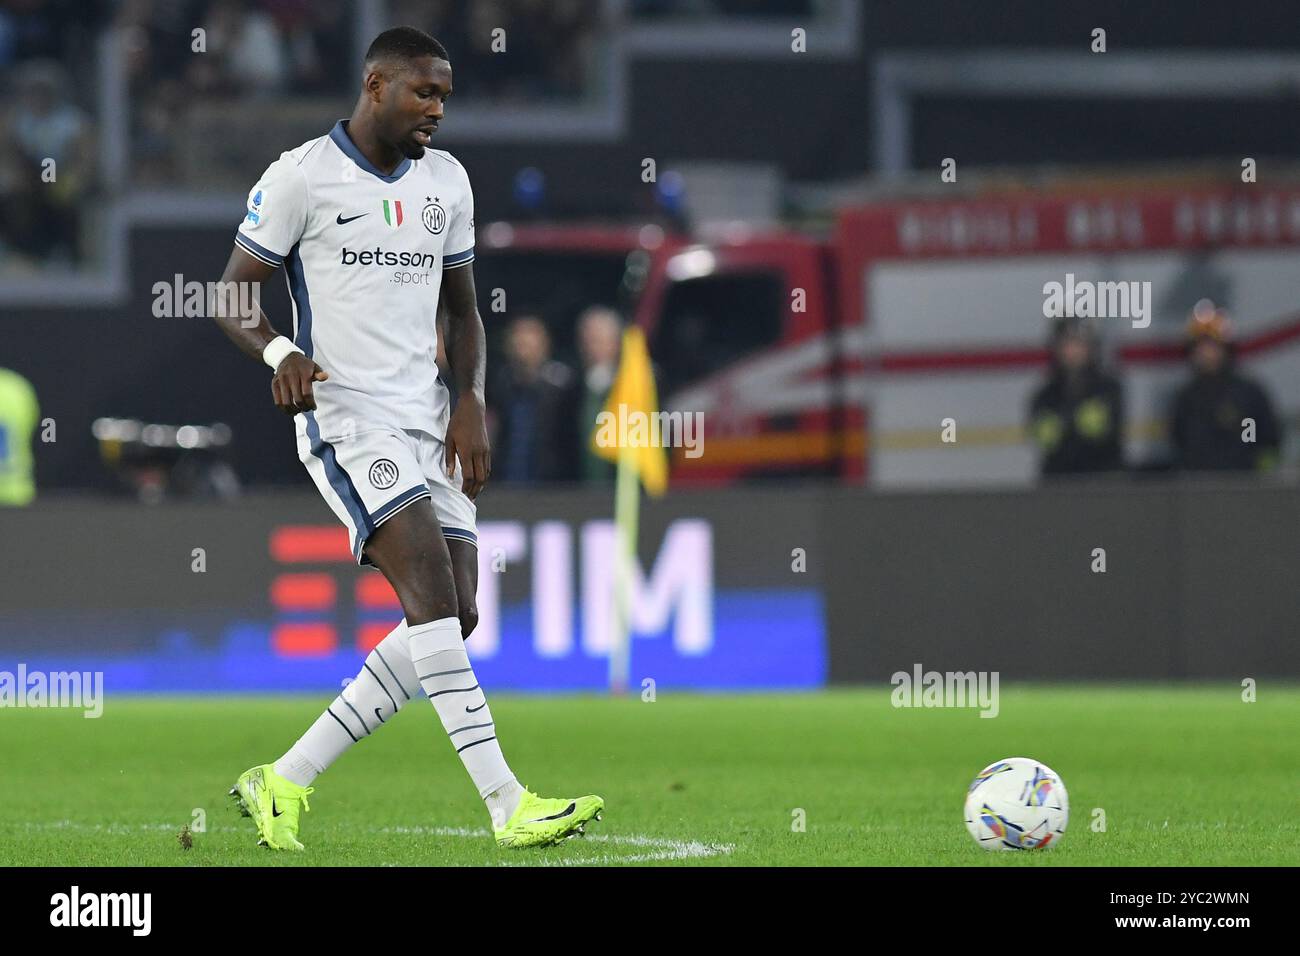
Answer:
(1184, 775)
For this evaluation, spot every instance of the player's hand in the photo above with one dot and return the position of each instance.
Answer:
(467, 438)
(291, 385)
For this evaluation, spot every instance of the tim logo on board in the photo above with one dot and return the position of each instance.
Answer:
(685, 631)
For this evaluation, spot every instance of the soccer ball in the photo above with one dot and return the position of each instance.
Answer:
(1017, 804)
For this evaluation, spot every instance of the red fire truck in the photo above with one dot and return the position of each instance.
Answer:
(840, 353)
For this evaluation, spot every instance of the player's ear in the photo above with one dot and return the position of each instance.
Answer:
(373, 83)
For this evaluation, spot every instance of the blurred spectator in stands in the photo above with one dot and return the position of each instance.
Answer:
(600, 334)
(43, 203)
(253, 48)
(573, 26)
(293, 49)
(497, 74)
(47, 29)
(156, 43)
(318, 40)
(549, 44)
(19, 415)
(1221, 421)
(533, 398)
(156, 39)
(245, 54)
(1077, 417)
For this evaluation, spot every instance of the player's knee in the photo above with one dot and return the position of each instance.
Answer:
(468, 621)
(426, 604)
(427, 592)
(435, 607)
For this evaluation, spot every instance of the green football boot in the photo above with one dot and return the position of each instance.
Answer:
(274, 803)
(539, 821)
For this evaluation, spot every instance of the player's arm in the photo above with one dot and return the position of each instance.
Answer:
(466, 348)
(291, 386)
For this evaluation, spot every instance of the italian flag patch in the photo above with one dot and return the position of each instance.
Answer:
(393, 212)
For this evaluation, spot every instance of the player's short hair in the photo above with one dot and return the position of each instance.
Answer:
(404, 43)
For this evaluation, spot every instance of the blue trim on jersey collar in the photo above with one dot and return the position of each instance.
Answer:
(339, 134)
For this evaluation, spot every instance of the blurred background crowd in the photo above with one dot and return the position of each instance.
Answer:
(45, 118)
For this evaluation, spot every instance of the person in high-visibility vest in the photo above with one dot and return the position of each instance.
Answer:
(1077, 417)
(19, 415)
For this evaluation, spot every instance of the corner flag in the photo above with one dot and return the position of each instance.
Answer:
(628, 421)
(624, 431)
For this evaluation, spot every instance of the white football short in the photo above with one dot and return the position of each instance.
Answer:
(370, 474)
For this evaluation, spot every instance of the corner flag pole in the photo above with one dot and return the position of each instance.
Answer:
(639, 460)
(627, 501)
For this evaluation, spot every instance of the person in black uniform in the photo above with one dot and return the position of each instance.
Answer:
(1077, 417)
(1211, 428)
(535, 399)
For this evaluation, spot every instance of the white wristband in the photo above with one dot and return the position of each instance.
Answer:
(276, 350)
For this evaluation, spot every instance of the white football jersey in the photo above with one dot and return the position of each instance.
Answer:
(364, 255)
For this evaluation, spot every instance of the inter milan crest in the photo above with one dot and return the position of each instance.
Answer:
(435, 218)
(383, 474)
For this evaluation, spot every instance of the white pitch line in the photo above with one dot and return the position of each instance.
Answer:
(120, 827)
(660, 848)
(679, 851)
(665, 849)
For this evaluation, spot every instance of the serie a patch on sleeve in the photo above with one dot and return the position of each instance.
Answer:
(256, 207)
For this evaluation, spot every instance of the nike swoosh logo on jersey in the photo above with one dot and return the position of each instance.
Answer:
(567, 811)
(470, 710)
(343, 222)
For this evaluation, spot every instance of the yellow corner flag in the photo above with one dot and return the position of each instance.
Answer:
(627, 430)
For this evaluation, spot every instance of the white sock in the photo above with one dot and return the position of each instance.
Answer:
(385, 682)
(297, 767)
(444, 671)
(501, 803)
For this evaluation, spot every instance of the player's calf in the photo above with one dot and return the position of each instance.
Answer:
(384, 684)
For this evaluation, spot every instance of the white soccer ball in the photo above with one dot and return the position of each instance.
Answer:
(1017, 804)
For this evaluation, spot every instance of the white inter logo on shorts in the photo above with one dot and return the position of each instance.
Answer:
(383, 474)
